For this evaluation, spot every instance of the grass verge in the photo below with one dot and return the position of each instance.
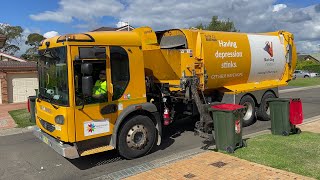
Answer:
(295, 153)
(305, 82)
(22, 117)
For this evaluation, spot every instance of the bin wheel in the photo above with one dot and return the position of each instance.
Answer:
(244, 143)
(285, 133)
(298, 130)
(230, 150)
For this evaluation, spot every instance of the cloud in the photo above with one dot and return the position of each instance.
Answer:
(295, 16)
(81, 9)
(248, 15)
(52, 16)
(50, 34)
(279, 7)
(317, 8)
(308, 47)
(121, 24)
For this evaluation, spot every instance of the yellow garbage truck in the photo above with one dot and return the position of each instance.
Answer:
(107, 90)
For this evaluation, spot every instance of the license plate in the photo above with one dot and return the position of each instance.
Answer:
(45, 140)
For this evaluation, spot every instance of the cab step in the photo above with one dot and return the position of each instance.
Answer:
(95, 150)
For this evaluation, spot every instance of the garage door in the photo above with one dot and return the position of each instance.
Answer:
(21, 86)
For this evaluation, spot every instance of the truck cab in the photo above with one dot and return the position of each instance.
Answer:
(77, 119)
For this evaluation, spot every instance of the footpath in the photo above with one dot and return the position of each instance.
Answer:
(6, 121)
(214, 165)
(7, 124)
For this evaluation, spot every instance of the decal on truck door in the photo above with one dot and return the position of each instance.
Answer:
(267, 58)
(96, 127)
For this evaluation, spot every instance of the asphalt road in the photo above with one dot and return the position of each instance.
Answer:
(22, 156)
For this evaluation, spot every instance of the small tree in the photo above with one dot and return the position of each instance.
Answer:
(218, 25)
(33, 40)
(13, 35)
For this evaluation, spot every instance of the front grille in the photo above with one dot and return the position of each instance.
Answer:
(48, 126)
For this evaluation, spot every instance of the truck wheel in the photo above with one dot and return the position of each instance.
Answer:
(263, 112)
(136, 137)
(250, 111)
(306, 76)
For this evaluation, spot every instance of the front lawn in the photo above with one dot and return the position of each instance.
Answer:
(22, 117)
(305, 82)
(295, 153)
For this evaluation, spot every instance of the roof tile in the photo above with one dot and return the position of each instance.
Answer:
(16, 64)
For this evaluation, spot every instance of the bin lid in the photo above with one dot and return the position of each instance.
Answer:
(227, 107)
(278, 99)
(32, 98)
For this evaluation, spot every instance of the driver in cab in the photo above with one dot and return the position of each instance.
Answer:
(100, 87)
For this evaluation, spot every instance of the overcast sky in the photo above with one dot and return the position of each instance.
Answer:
(301, 17)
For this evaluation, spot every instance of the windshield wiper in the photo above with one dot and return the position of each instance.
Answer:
(49, 100)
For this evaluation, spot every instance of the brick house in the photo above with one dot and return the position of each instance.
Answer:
(18, 79)
(309, 57)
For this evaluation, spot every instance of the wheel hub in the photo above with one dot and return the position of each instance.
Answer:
(248, 111)
(268, 110)
(137, 137)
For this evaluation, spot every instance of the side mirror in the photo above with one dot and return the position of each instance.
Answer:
(86, 68)
(87, 85)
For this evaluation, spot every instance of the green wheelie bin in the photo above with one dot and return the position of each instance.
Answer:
(281, 110)
(227, 119)
(31, 107)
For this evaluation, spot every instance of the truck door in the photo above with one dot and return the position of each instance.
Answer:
(93, 114)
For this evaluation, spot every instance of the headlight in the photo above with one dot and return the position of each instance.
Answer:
(59, 119)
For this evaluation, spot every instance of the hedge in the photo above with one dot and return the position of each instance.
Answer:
(312, 68)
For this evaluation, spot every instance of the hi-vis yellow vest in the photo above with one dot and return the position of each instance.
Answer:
(100, 87)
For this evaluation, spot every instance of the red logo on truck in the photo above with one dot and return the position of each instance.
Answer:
(269, 48)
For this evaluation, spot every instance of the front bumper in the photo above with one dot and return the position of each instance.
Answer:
(64, 150)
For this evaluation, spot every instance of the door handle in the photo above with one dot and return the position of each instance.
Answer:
(109, 109)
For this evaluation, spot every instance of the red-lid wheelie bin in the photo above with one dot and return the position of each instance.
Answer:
(227, 120)
(285, 114)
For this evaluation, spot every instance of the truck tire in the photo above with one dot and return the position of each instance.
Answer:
(136, 137)
(306, 76)
(250, 113)
(263, 112)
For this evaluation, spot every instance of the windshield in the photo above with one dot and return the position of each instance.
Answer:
(53, 76)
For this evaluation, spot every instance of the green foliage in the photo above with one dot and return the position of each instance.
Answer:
(302, 82)
(218, 25)
(22, 117)
(13, 35)
(295, 153)
(311, 66)
(33, 40)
